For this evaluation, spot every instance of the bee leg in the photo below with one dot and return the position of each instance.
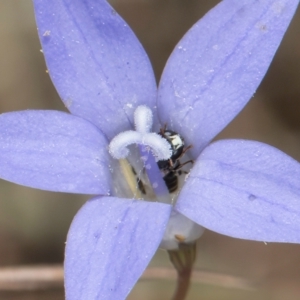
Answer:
(163, 129)
(181, 165)
(185, 150)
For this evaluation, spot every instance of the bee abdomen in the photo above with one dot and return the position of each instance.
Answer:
(171, 180)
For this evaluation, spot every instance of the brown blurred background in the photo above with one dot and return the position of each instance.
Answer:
(33, 224)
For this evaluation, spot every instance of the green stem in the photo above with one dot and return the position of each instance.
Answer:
(183, 260)
(183, 283)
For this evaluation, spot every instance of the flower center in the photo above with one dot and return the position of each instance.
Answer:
(149, 161)
(152, 170)
(142, 136)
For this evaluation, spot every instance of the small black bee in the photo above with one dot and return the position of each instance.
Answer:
(171, 167)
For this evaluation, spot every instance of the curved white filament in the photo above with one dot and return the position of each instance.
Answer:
(159, 146)
(143, 119)
(118, 145)
(143, 123)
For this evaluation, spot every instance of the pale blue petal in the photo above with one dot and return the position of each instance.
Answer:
(96, 63)
(109, 245)
(244, 189)
(218, 65)
(53, 151)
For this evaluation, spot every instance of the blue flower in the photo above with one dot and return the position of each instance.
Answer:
(239, 188)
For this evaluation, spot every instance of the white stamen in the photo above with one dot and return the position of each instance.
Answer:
(118, 145)
(143, 119)
(159, 146)
(143, 122)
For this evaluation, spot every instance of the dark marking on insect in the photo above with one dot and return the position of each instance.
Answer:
(171, 167)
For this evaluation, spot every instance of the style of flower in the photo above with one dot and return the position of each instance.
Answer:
(240, 188)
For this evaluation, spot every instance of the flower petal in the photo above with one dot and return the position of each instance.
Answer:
(95, 61)
(53, 151)
(244, 189)
(110, 243)
(218, 65)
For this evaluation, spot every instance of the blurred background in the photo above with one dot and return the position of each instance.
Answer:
(34, 224)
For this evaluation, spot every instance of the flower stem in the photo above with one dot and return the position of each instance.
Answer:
(183, 283)
(183, 260)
